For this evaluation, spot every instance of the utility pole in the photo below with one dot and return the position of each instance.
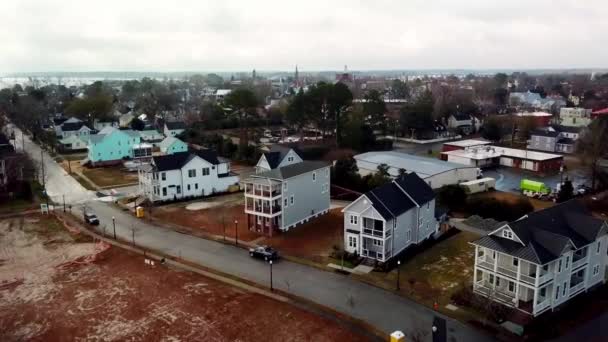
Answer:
(236, 232)
(63, 202)
(270, 263)
(114, 225)
(398, 267)
(46, 195)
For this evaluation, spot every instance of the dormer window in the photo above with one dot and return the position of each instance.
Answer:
(507, 234)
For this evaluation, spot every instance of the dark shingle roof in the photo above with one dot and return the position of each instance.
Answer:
(293, 170)
(461, 116)
(175, 125)
(417, 188)
(389, 200)
(172, 161)
(546, 233)
(209, 155)
(567, 129)
(544, 133)
(71, 126)
(273, 159)
(566, 141)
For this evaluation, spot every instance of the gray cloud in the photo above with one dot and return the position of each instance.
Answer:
(140, 35)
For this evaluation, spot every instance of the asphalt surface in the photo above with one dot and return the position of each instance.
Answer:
(381, 308)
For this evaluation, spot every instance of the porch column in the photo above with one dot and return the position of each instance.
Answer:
(517, 283)
(475, 266)
(534, 302)
(495, 267)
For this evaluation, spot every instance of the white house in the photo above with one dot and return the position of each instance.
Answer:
(185, 175)
(577, 117)
(172, 145)
(174, 128)
(74, 143)
(542, 260)
(461, 121)
(386, 220)
(98, 125)
(277, 156)
(72, 126)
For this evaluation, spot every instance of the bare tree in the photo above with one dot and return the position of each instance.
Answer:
(593, 146)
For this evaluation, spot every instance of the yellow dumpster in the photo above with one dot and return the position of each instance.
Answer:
(397, 336)
(139, 212)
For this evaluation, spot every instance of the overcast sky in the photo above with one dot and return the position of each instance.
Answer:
(203, 35)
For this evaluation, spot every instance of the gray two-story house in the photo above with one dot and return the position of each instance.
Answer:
(542, 260)
(554, 139)
(281, 198)
(390, 218)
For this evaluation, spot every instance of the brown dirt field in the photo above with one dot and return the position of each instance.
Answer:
(208, 221)
(118, 297)
(313, 240)
(110, 176)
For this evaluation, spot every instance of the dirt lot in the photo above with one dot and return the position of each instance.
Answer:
(51, 289)
(313, 240)
(211, 220)
(103, 176)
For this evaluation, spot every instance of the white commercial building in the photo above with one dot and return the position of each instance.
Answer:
(435, 172)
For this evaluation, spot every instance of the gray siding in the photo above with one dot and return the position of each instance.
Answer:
(542, 143)
(429, 223)
(309, 197)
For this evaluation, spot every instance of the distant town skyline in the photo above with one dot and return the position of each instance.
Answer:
(233, 36)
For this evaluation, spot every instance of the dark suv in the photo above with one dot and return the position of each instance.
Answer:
(264, 252)
(91, 219)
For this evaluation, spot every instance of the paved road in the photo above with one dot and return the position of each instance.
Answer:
(378, 307)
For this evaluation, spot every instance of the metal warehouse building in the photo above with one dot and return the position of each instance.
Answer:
(485, 156)
(435, 172)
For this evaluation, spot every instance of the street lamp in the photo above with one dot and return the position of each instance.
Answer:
(114, 225)
(398, 268)
(270, 263)
(236, 231)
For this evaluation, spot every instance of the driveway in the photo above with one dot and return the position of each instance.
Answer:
(378, 307)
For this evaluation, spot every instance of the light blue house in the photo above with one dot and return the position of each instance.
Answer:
(172, 145)
(111, 146)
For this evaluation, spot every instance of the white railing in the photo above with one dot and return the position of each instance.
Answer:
(507, 272)
(545, 278)
(579, 262)
(541, 306)
(574, 289)
(495, 294)
(528, 279)
(486, 264)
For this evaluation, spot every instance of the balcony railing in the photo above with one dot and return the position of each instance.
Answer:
(545, 278)
(262, 192)
(576, 288)
(487, 264)
(507, 272)
(264, 209)
(373, 232)
(542, 306)
(495, 294)
(579, 262)
(528, 279)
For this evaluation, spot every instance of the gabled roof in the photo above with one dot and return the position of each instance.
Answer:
(461, 116)
(167, 142)
(546, 233)
(389, 200)
(172, 125)
(567, 129)
(395, 198)
(544, 133)
(417, 188)
(277, 153)
(72, 126)
(208, 155)
(292, 170)
(172, 161)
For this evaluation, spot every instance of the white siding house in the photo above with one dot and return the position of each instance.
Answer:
(542, 260)
(277, 156)
(388, 219)
(185, 175)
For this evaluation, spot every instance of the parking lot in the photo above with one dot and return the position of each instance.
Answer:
(508, 179)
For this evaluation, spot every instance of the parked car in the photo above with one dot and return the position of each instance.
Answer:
(264, 252)
(91, 219)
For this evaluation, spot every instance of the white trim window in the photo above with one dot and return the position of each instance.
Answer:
(314, 176)
(354, 219)
(192, 173)
(284, 186)
(596, 270)
(598, 247)
(352, 242)
(511, 286)
(291, 200)
(507, 234)
(378, 243)
(285, 202)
